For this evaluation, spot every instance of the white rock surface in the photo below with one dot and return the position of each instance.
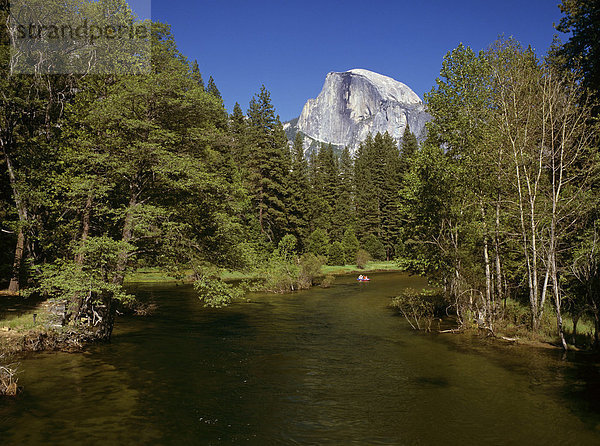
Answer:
(354, 103)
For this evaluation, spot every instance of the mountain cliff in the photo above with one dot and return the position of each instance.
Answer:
(353, 104)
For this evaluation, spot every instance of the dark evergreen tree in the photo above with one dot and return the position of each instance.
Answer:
(377, 185)
(581, 52)
(323, 173)
(211, 88)
(298, 192)
(269, 165)
(409, 147)
(344, 212)
(238, 128)
(196, 75)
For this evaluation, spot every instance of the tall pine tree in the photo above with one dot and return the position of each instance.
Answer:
(269, 165)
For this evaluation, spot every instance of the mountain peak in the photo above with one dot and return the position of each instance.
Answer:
(359, 102)
(388, 86)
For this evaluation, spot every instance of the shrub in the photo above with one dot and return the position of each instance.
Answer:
(310, 269)
(417, 308)
(281, 274)
(214, 292)
(336, 254)
(327, 281)
(362, 258)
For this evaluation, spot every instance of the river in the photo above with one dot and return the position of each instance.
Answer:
(324, 366)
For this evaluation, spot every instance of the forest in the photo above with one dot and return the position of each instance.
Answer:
(103, 173)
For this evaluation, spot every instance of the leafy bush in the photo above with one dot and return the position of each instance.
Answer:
(327, 281)
(216, 293)
(362, 258)
(310, 269)
(417, 308)
(336, 254)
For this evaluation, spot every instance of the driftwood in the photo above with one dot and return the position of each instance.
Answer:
(453, 330)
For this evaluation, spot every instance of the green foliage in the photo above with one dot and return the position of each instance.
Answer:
(350, 244)
(581, 52)
(377, 177)
(298, 195)
(318, 242)
(268, 167)
(211, 88)
(336, 254)
(310, 269)
(374, 247)
(362, 258)
(284, 275)
(287, 247)
(215, 292)
(417, 307)
(328, 281)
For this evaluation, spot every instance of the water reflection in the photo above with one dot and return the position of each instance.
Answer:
(327, 366)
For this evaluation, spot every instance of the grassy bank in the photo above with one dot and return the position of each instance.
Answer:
(156, 275)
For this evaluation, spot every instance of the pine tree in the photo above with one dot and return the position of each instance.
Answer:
(211, 88)
(367, 203)
(269, 165)
(238, 128)
(298, 191)
(409, 147)
(377, 185)
(344, 215)
(196, 75)
(324, 186)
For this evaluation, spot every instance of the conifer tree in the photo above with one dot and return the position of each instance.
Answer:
(408, 149)
(238, 129)
(322, 199)
(344, 213)
(298, 191)
(367, 205)
(377, 185)
(211, 88)
(269, 165)
(196, 75)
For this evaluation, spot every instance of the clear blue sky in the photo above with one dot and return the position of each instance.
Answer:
(290, 46)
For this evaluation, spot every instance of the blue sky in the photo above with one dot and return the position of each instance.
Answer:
(290, 46)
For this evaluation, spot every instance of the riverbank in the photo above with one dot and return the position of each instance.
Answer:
(156, 275)
(24, 323)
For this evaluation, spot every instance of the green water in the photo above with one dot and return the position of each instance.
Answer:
(325, 366)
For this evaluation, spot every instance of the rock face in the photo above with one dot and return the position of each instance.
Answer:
(355, 103)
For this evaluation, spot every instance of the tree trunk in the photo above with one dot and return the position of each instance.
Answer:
(499, 291)
(14, 285)
(85, 227)
(126, 236)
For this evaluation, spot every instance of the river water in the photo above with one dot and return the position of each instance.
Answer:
(325, 366)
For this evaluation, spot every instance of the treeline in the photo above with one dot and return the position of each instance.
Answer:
(104, 171)
(503, 198)
(141, 165)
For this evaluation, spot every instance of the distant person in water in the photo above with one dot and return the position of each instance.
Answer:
(360, 277)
